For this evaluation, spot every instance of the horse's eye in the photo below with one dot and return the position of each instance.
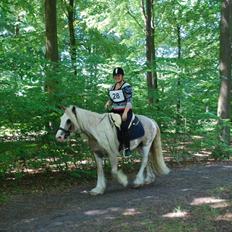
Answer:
(68, 121)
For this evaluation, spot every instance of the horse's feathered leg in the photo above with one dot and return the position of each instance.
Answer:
(140, 175)
(118, 174)
(150, 177)
(101, 183)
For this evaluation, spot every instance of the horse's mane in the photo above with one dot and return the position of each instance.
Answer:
(84, 117)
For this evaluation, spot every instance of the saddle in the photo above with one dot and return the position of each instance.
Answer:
(135, 128)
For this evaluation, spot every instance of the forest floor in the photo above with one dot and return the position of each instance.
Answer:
(196, 197)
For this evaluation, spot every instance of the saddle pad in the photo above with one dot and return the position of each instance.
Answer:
(116, 119)
(136, 130)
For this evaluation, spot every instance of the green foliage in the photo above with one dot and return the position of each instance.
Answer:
(29, 117)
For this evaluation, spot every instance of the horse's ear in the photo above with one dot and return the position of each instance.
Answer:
(74, 110)
(62, 107)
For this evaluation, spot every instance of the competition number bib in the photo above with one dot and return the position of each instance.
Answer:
(117, 96)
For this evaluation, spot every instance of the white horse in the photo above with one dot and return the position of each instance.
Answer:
(102, 138)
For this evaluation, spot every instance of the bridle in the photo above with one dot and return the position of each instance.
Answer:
(66, 132)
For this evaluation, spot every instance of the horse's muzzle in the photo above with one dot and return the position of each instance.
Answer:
(62, 134)
(60, 138)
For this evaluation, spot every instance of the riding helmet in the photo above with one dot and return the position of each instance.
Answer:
(118, 71)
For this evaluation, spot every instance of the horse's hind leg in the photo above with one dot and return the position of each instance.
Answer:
(150, 177)
(101, 183)
(139, 181)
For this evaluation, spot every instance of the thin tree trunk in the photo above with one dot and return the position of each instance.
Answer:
(51, 31)
(71, 19)
(225, 71)
(178, 78)
(51, 81)
(147, 7)
(51, 45)
(17, 27)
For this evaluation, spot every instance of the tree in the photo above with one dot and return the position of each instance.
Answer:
(225, 71)
(178, 104)
(72, 39)
(147, 7)
(51, 45)
(51, 31)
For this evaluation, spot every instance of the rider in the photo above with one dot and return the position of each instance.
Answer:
(121, 102)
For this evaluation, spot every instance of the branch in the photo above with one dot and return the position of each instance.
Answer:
(143, 9)
(134, 17)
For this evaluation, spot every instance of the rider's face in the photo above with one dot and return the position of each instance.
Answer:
(118, 78)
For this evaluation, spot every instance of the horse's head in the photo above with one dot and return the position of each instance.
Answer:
(68, 124)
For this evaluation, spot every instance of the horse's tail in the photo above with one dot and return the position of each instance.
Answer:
(156, 157)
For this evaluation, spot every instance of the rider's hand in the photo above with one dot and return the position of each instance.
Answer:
(124, 116)
(107, 105)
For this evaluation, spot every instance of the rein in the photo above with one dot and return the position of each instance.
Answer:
(102, 119)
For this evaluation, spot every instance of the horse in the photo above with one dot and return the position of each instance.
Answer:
(102, 139)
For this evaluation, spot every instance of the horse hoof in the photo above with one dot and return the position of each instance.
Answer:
(95, 193)
(147, 182)
(136, 186)
(122, 178)
(125, 183)
(138, 182)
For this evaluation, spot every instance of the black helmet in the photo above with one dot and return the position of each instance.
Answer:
(117, 71)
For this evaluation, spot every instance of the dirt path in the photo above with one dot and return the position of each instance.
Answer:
(194, 198)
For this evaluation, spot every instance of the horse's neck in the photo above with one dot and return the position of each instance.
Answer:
(88, 120)
(98, 128)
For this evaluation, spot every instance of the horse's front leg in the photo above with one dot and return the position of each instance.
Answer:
(101, 183)
(139, 180)
(118, 174)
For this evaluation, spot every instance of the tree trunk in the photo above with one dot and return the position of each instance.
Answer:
(71, 19)
(225, 71)
(17, 27)
(51, 45)
(52, 78)
(147, 7)
(51, 31)
(178, 78)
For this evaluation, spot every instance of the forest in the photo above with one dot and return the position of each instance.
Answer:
(176, 54)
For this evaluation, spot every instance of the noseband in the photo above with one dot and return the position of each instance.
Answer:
(66, 132)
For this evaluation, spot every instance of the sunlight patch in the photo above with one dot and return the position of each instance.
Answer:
(131, 212)
(96, 212)
(201, 155)
(101, 211)
(149, 197)
(186, 189)
(104, 86)
(206, 200)
(177, 214)
(225, 217)
(220, 205)
(227, 167)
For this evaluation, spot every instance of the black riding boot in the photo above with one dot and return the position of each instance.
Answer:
(125, 140)
(127, 151)
(123, 134)
(120, 139)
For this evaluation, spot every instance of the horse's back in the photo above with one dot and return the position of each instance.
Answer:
(146, 121)
(149, 125)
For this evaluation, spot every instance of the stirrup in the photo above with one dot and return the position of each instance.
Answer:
(126, 152)
(120, 148)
